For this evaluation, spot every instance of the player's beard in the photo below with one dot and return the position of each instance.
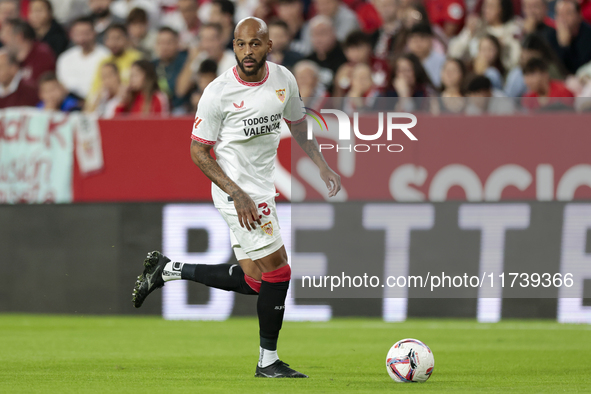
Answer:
(257, 66)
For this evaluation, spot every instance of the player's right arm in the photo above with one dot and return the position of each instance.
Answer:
(245, 206)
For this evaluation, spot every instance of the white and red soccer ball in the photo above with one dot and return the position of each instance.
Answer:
(410, 360)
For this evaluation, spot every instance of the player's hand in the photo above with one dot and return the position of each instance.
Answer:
(248, 213)
(332, 181)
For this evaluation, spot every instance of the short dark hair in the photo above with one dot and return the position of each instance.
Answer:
(19, 26)
(48, 76)
(84, 20)
(166, 29)
(208, 66)
(423, 29)
(357, 38)
(47, 4)
(478, 84)
(137, 15)
(226, 6)
(118, 26)
(534, 65)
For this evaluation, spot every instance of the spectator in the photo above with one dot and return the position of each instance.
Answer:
(77, 67)
(292, 13)
(535, 18)
(14, 90)
(100, 12)
(532, 46)
(54, 97)
(343, 19)
(541, 86)
(453, 75)
(357, 49)
(327, 52)
(207, 72)
(35, 57)
(46, 27)
(140, 36)
(484, 99)
(313, 92)
(185, 21)
(281, 54)
(169, 65)
(363, 93)
(488, 61)
(122, 9)
(143, 96)
(446, 15)
(497, 20)
(107, 100)
(222, 13)
(264, 10)
(117, 41)
(410, 78)
(385, 39)
(572, 36)
(362, 84)
(420, 43)
(9, 9)
(210, 46)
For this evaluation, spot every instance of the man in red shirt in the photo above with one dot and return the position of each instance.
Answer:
(35, 57)
(539, 85)
(14, 92)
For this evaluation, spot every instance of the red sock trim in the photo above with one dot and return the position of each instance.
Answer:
(253, 283)
(282, 274)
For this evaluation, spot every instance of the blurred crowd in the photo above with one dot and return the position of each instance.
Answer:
(155, 57)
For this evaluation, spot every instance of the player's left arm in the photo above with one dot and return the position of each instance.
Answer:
(332, 180)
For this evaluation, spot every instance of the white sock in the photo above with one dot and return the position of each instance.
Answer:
(172, 271)
(267, 357)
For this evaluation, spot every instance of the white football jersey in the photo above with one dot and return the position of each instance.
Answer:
(242, 121)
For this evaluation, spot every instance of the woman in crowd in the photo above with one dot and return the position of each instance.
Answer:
(496, 19)
(410, 80)
(143, 96)
(453, 78)
(105, 103)
(488, 61)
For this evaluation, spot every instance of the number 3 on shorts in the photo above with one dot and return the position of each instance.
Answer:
(265, 208)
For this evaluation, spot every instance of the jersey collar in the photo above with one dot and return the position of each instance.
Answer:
(235, 69)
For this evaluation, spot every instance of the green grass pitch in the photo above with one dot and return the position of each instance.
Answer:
(64, 354)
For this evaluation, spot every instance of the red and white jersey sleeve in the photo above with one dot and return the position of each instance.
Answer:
(208, 120)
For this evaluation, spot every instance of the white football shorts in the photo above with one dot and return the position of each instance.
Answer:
(260, 242)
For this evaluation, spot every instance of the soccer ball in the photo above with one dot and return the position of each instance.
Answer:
(409, 361)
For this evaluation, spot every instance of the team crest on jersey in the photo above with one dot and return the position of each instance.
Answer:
(281, 94)
(268, 228)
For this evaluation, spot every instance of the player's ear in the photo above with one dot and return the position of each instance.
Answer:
(270, 44)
